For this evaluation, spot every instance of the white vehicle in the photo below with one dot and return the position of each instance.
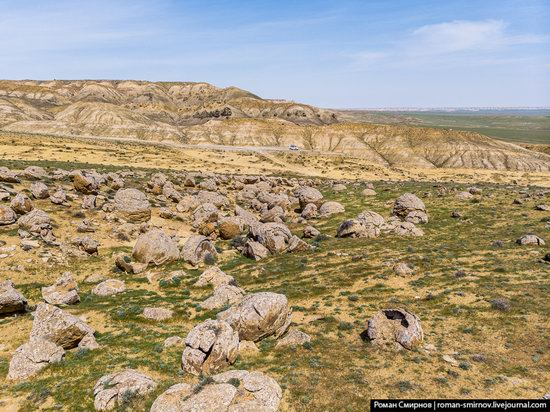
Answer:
(293, 147)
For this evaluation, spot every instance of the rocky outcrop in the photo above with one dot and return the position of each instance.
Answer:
(33, 356)
(395, 329)
(11, 300)
(155, 247)
(59, 327)
(210, 346)
(231, 391)
(63, 292)
(258, 316)
(132, 205)
(196, 249)
(120, 388)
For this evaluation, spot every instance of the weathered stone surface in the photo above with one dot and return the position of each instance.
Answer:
(166, 213)
(232, 391)
(155, 247)
(37, 223)
(11, 300)
(63, 292)
(217, 199)
(216, 277)
(21, 204)
(368, 192)
(274, 236)
(293, 338)
(354, 228)
(58, 326)
(87, 244)
(223, 295)
(410, 208)
(39, 190)
(210, 346)
(311, 232)
(197, 248)
(35, 173)
(109, 287)
(124, 263)
(205, 213)
(6, 175)
(132, 205)
(33, 356)
(231, 227)
(89, 202)
(331, 208)
(395, 328)
(258, 316)
(295, 244)
(248, 347)
(306, 194)
(7, 216)
(310, 211)
(118, 388)
(158, 314)
(85, 183)
(255, 250)
(405, 229)
(530, 240)
(58, 197)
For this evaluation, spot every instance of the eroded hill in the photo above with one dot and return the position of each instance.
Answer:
(199, 113)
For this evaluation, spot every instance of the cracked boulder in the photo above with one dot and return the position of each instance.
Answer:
(63, 292)
(7, 216)
(306, 194)
(6, 175)
(132, 206)
(255, 250)
(86, 183)
(395, 329)
(367, 224)
(11, 300)
(209, 347)
(37, 224)
(39, 190)
(410, 208)
(59, 327)
(155, 247)
(273, 236)
(231, 391)
(198, 248)
(258, 316)
(33, 356)
(120, 388)
(21, 204)
(530, 240)
(404, 229)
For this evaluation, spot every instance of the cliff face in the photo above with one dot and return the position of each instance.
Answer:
(199, 113)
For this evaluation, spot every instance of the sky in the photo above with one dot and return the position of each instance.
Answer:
(334, 54)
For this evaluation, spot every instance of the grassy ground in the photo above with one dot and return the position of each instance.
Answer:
(334, 289)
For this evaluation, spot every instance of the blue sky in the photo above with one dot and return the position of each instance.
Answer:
(346, 53)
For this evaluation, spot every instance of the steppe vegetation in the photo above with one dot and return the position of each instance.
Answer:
(480, 296)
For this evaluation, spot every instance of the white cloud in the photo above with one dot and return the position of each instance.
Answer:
(465, 35)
